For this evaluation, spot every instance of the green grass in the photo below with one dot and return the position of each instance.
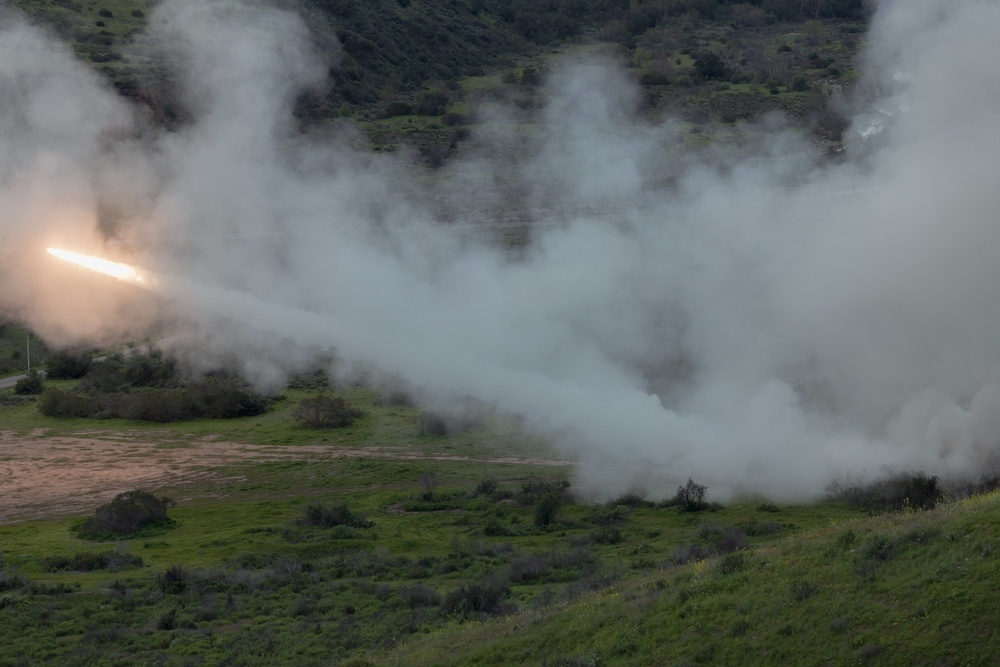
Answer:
(311, 576)
(245, 561)
(238, 578)
(823, 596)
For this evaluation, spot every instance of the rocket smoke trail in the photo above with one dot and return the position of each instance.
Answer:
(735, 317)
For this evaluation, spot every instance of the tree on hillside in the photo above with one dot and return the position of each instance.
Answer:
(710, 66)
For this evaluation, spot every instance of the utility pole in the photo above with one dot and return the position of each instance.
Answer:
(27, 343)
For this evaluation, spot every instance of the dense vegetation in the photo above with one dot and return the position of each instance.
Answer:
(146, 387)
(435, 64)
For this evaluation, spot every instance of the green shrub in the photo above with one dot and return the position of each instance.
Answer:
(31, 384)
(607, 535)
(67, 365)
(328, 516)
(127, 514)
(326, 411)
(480, 599)
(609, 514)
(224, 397)
(547, 508)
(173, 581)
(56, 402)
(89, 561)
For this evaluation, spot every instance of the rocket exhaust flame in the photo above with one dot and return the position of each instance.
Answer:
(116, 270)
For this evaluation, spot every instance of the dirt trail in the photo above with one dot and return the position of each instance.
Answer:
(45, 476)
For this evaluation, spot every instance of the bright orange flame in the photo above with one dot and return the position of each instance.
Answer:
(105, 266)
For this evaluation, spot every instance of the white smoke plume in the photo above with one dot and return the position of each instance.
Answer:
(764, 324)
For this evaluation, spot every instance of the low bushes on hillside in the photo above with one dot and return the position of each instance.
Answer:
(212, 397)
(908, 490)
(89, 561)
(480, 599)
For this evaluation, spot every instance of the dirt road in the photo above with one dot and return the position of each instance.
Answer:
(43, 476)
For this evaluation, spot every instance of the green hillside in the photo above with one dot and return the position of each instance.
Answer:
(909, 588)
(402, 66)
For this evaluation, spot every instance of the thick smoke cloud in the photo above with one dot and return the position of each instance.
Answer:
(764, 323)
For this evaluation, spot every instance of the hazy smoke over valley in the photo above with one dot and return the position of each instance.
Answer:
(764, 324)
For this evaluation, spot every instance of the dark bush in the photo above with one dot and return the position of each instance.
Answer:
(917, 491)
(397, 108)
(105, 13)
(690, 552)
(486, 487)
(466, 416)
(328, 516)
(530, 77)
(633, 499)
(173, 580)
(527, 568)
(480, 599)
(31, 384)
(152, 369)
(89, 561)
(655, 78)
(690, 497)
(155, 405)
(799, 84)
(802, 589)
(607, 535)
(67, 365)
(733, 561)
(317, 379)
(432, 424)
(534, 490)
(710, 66)
(759, 528)
(419, 595)
(127, 514)
(221, 397)
(432, 103)
(326, 411)
(11, 580)
(609, 514)
(61, 403)
(428, 484)
(547, 508)
(732, 539)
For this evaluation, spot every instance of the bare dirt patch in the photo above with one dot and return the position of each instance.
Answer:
(49, 477)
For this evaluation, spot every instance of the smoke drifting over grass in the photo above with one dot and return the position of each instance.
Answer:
(763, 323)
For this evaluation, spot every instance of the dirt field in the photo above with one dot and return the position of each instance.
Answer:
(50, 477)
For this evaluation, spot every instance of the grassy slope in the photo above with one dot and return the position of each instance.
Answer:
(901, 589)
(252, 571)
